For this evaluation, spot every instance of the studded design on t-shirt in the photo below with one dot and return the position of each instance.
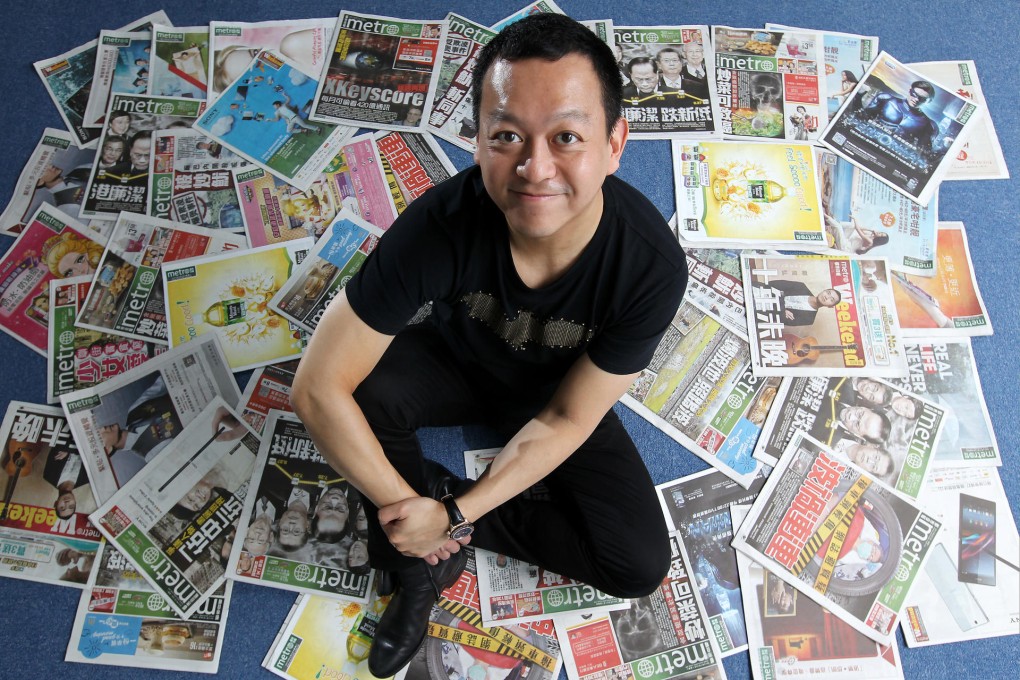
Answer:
(518, 332)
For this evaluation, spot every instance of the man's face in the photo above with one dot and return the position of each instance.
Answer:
(259, 536)
(120, 124)
(413, 116)
(358, 554)
(828, 298)
(293, 529)
(695, 54)
(65, 505)
(904, 406)
(872, 391)
(869, 457)
(332, 506)
(862, 422)
(917, 96)
(669, 64)
(542, 146)
(199, 495)
(644, 78)
(140, 154)
(112, 152)
(110, 436)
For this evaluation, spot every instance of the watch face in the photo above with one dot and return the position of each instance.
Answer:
(462, 531)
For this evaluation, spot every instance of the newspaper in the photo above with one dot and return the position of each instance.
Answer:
(714, 283)
(538, 7)
(79, 357)
(949, 303)
(902, 127)
(192, 180)
(330, 264)
(122, 621)
(970, 589)
(864, 216)
(268, 387)
(758, 195)
(698, 506)
(822, 315)
(669, 77)
(663, 635)
(45, 533)
(180, 61)
(52, 246)
(791, 636)
(126, 297)
(122, 67)
(770, 84)
(852, 546)
(382, 72)
(699, 390)
(303, 526)
(56, 173)
(125, 422)
(413, 163)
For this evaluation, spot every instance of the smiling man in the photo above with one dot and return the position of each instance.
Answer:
(527, 292)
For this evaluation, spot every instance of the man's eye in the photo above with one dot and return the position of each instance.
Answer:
(567, 138)
(506, 137)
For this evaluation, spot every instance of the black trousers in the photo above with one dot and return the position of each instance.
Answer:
(602, 525)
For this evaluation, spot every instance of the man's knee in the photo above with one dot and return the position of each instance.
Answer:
(642, 573)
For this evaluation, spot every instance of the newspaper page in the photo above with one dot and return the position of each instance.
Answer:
(228, 296)
(56, 173)
(949, 303)
(192, 180)
(382, 72)
(452, 115)
(413, 163)
(664, 635)
(538, 7)
(179, 60)
(268, 387)
(980, 157)
(822, 315)
(122, 185)
(715, 283)
(45, 534)
(52, 246)
(79, 357)
(791, 636)
(758, 195)
(865, 217)
(771, 84)
(970, 589)
(303, 526)
(123, 423)
(902, 127)
(698, 506)
(122, 621)
(669, 77)
(122, 67)
(823, 526)
(512, 591)
(330, 264)
(126, 297)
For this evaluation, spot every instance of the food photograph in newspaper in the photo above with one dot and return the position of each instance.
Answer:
(45, 534)
(823, 526)
(822, 315)
(269, 387)
(668, 80)
(175, 521)
(179, 61)
(758, 195)
(416, 164)
(122, 67)
(714, 283)
(122, 621)
(902, 127)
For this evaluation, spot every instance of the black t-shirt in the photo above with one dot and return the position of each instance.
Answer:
(451, 248)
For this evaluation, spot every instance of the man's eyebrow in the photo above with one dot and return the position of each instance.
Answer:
(572, 114)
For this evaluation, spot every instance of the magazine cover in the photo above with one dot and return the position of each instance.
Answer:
(413, 162)
(126, 297)
(45, 533)
(699, 390)
(770, 84)
(698, 506)
(902, 127)
(228, 296)
(303, 526)
(714, 283)
(79, 357)
(268, 387)
(668, 81)
(970, 589)
(122, 621)
(823, 527)
(758, 195)
(792, 636)
(174, 519)
(330, 264)
(122, 67)
(822, 315)
(547, 6)
(382, 72)
(179, 61)
(949, 303)
(122, 424)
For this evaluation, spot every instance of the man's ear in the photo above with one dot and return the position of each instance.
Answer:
(617, 142)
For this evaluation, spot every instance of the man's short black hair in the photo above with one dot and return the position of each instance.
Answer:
(552, 37)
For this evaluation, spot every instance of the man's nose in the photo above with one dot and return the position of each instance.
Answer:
(537, 163)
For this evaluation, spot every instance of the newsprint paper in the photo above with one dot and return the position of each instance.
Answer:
(268, 387)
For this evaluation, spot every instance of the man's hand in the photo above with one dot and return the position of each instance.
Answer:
(417, 527)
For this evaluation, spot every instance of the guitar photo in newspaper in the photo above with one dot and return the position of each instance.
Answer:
(414, 162)
(179, 61)
(269, 387)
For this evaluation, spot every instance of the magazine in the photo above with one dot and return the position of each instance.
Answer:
(382, 72)
(268, 387)
(122, 67)
(122, 621)
(179, 60)
(537, 7)
(853, 546)
(758, 195)
(125, 422)
(303, 526)
(822, 315)
(174, 520)
(902, 127)
(45, 533)
(413, 163)
(668, 77)
(714, 283)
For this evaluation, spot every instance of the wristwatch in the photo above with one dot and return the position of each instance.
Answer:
(459, 526)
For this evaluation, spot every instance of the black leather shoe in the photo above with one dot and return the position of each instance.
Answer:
(438, 480)
(385, 582)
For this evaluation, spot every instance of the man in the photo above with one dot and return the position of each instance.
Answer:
(670, 65)
(865, 423)
(905, 118)
(797, 305)
(644, 80)
(135, 170)
(545, 285)
(65, 472)
(693, 75)
(289, 116)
